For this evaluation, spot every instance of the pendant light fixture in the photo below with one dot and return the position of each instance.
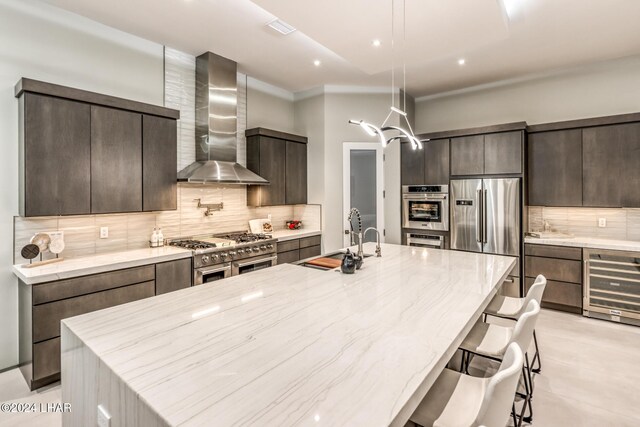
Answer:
(373, 130)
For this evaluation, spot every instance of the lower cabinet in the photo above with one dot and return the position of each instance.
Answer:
(44, 305)
(297, 249)
(562, 266)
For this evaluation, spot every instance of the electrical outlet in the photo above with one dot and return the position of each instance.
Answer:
(104, 232)
(104, 418)
(602, 222)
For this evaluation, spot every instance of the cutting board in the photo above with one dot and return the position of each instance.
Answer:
(325, 262)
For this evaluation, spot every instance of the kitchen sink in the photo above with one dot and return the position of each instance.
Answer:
(332, 255)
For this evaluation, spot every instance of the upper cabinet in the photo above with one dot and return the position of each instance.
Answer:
(590, 162)
(83, 152)
(488, 154)
(555, 168)
(429, 166)
(280, 158)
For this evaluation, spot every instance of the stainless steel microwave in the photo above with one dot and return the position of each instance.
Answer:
(425, 207)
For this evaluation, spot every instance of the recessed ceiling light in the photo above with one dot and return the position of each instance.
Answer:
(376, 43)
(316, 62)
(281, 27)
(462, 61)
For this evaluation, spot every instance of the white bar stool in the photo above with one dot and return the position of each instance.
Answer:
(460, 400)
(491, 341)
(512, 308)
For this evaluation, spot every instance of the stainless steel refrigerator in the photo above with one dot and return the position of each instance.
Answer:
(485, 215)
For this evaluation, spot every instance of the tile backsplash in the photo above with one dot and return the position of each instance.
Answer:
(622, 223)
(132, 231)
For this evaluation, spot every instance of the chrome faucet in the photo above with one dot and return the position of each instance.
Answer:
(355, 212)
(378, 249)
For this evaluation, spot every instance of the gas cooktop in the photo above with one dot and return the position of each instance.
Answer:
(209, 243)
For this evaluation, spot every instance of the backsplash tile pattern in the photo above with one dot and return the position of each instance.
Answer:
(622, 223)
(132, 231)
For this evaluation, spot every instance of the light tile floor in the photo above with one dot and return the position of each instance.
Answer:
(590, 377)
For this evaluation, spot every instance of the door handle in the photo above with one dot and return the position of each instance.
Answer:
(479, 218)
(484, 216)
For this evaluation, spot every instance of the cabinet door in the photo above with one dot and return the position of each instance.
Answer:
(412, 165)
(159, 163)
(173, 275)
(610, 158)
(116, 161)
(436, 162)
(272, 168)
(555, 168)
(467, 155)
(57, 156)
(503, 153)
(296, 173)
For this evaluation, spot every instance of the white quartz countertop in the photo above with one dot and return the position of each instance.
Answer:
(284, 235)
(289, 345)
(587, 242)
(82, 266)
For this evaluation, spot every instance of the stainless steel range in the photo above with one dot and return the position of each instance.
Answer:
(216, 257)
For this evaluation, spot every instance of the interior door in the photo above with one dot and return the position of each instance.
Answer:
(466, 215)
(501, 230)
(363, 188)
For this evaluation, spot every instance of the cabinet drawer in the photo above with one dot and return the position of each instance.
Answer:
(173, 275)
(553, 251)
(309, 252)
(77, 286)
(568, 294)
(47, 317)
(46, 358)
(288, 257)
(288, 245)
(310, 241)
(554, 269)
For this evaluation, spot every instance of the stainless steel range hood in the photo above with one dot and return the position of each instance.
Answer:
(216, 125)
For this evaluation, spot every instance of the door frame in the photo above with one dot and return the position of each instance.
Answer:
(347, 147)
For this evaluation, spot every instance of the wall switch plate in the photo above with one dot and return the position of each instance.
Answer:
(104, 418)
(104, 232)
(602, 222)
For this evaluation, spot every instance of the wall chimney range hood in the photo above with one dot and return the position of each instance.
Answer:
(216, 126)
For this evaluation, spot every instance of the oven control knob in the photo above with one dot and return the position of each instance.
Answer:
(223, 255)
(232, 253)
(214, 257)
(269, 246)
(263, 247)
(255, 249)
(240, 251)
(205, 259)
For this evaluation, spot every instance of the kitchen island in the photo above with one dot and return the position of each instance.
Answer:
(282, 346)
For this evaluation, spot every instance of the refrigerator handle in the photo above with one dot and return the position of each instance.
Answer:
(484, 216)
(479, 219)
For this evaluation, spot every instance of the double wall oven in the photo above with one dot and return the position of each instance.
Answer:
(425, 207)
(221, 256)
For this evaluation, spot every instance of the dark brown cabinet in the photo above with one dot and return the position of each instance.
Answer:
(83, 152)
(296, 173)
(55, 161)
(297, 249)
(610, 159)
(116, 160)
(488, 154)
(173, 275)
(42, 306)
(562, 266)
(555, 168)
(159, 163)
(280, 158)
(503, 153)
(429, 166)
(467, 155)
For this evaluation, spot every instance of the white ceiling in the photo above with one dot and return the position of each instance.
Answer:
(544, 35)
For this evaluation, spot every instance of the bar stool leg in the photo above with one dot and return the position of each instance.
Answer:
(536, 356)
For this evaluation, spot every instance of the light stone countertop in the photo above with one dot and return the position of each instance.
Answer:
(99, 263)
(284, 235)
(286, 345)
(586, 242)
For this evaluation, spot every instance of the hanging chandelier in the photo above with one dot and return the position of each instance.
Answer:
(373, 130)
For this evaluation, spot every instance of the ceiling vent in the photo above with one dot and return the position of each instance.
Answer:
(281, 27)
